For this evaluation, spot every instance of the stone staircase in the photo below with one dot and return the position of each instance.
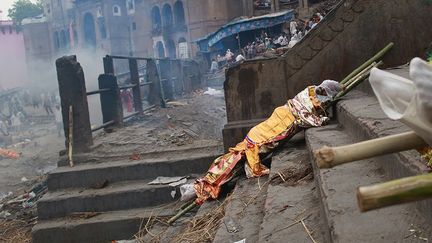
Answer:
(295, 203)
(105, 201)
(327, 204)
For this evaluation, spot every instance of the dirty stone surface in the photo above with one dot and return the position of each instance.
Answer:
(244, 211)
(38, 144)
(292, 197)
(192, 121)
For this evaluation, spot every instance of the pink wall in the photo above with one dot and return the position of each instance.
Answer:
(13, 69)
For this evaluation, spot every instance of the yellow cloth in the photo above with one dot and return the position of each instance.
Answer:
(261, 134)
(273, 126)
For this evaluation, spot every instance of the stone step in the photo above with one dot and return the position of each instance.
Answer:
(90, 174)
(361, 116)
(243, 211)
(105, 227)
(116, 196)
(106, 151)
(291, 197)
(337, 189)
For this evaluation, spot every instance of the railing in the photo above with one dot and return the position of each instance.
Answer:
(163, 79)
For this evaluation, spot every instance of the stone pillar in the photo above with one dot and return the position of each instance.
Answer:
(178, 81)
(136, 91)
(303, 7)
(156, 95)
(275, 6)
(166, 78)
(73, 93)
(108, 65)
(112, 109)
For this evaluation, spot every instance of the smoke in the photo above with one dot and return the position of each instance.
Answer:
(43, 76)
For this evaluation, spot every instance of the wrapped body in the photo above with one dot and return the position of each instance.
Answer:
(305, 110)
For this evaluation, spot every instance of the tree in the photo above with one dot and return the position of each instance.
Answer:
(22, 9)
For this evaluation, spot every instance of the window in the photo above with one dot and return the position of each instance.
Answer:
(131, 5)
(134, 26)
(116, 10)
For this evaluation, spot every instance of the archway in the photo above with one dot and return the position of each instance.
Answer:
(179, 13)
(171, 48)
(156, 18)
(167, 15)
(160, 50)
(89, 30)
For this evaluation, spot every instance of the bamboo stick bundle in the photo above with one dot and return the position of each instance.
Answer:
(375, 58)
(328, 157)
(355, 81)
(394, 192)
(362, 73)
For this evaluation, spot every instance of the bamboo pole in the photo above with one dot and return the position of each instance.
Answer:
(360, 74)
(182, 212)
(351, 84)
(71, 163)
(328, 157)
(375, 58)
(394, 192)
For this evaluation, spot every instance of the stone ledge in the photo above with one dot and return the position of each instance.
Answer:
(362, 117)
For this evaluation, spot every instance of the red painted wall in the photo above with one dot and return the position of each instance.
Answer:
(13, 68)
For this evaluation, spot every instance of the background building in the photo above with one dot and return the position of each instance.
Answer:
(12, 57)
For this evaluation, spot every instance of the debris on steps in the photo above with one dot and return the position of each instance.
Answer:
(292, 198)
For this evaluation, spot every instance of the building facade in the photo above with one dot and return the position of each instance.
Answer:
(12, 58)
(147, 28)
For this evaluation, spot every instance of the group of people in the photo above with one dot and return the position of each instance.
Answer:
(291, 34)
(16, 112)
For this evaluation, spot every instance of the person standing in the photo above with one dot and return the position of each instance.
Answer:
(293, 27)
(47, 104)
(58, 120)
(214, 66)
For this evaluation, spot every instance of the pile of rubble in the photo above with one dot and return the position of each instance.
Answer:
(18, 212)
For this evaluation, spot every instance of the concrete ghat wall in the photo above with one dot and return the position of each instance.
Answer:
(347, 37)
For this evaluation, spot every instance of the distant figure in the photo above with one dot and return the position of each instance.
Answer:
(35, 100)
(240, 58)
(293, 27)
(16, 122)
(47, 104)
(284, 41)
(293, 41)
(58, 120)
(127, 100)
(4, 131)
(229, 55)
(4, 134)
(214, 66)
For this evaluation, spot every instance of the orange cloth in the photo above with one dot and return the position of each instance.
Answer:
(9, 153)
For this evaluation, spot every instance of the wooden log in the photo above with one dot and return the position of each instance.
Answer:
(70, 150)
(328, 157)
(394, 192)
(375, 58)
